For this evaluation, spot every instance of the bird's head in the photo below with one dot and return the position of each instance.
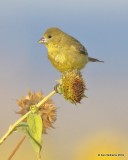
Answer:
(52, 36)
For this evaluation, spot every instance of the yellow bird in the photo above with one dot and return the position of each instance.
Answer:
(64, 51)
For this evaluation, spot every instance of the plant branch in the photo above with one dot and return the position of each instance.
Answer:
(45, 98)
(12, 127)
(17, 147)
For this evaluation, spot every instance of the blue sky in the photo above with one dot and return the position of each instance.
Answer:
(100, 25)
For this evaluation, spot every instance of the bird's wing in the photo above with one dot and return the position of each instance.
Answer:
(79, 47)
(82, 50)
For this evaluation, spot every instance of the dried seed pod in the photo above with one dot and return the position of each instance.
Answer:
(47, 110)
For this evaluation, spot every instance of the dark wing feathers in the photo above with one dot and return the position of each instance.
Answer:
(79, 47)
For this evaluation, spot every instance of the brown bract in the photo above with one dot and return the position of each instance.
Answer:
(47, 110)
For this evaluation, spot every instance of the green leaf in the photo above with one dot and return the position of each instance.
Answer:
(35, 127)
(23, 126)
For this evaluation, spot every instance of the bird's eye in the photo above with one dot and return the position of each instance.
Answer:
(49, 36)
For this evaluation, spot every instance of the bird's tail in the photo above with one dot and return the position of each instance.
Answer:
(90, 59)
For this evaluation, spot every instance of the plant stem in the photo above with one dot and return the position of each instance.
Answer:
(45, 98)
(17, 147)
(12, 127)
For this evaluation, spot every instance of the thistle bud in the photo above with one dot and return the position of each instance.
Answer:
(72, 86)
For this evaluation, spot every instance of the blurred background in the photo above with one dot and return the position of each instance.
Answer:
(99, 125)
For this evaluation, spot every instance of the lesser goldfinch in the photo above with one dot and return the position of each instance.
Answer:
(64, 51)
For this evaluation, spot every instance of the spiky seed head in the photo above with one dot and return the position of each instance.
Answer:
(72, 86)
(47, 110)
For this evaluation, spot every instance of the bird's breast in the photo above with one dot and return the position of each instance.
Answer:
(56, 56)
(64, 60)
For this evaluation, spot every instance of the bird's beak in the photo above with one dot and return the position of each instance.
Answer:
(42, 41)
